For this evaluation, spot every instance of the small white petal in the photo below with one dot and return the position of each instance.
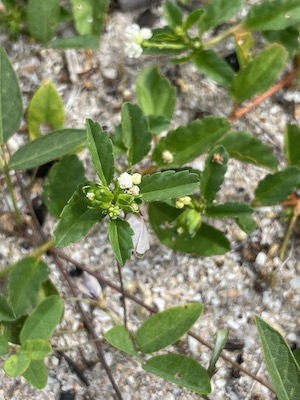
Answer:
(133, 50)
(125, 180)
(146, 33)
(131, 31)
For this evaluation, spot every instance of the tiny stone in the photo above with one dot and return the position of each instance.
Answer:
(295, 283)
(261, 259)
(193, 344)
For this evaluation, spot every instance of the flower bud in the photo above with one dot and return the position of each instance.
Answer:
(189, 221)
(125, 180)
(136, 178)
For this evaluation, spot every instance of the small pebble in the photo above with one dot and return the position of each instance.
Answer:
(261, 259)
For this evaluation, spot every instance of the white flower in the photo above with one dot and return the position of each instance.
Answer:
(167, 157)
(135, 36)
(125, 181)
(134, 190)
(136, 178)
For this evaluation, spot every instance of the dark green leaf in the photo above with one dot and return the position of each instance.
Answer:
(212, 65)
(281, 364)
(276, 187)
(89, 16)
(135, 133)
(193, 18)
(36, 349)
(119, 337)
(168, 184)
(213, 174)
(173, 15)
(42, 322)
(297, 355)
(37, 374)
(219, 11)
(117, 140)
(287, 37)
(273, 14)
(259, 74)
(120, 237)
(11, 107)
(166, 327)
(76, 220)
(182, 370)
(207, 241)
(6, 311)
(47, 148)
(156, 95)
(228, 210)
(62, 181)
(75, 42)
(247, 148)
(16, 364)
(292, 144)
(190, 141)
(101, 150)
(25, 281)
(42, 18)
(4, 348)
(220, 343)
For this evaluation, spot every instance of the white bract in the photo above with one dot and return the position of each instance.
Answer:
(135, 36)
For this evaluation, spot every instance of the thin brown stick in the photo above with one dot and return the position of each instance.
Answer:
(123, 294)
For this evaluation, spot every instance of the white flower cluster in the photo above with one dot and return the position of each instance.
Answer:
(130, 182)
(135, 36)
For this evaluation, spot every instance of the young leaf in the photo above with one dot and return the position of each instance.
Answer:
(101, 150)
(76, 42)
(89, 16)
(43, 320)
(213, 174)
(168, 184)
(292, 144)
(36, 349)
(273, 14)
(276, 187)
(4, 348)
(6, 311)
(42, 18)
(62, 181)
(244, 46)
(166, 327)
(119, 337)
(207, 241)
(221, 340)
(120, 237)
(219, 11)
(259, 74)
(182, 370)
(45, 107)
(11, 107)
(287, 37)
(246, 223)
(47, 148)
(245, 147)
(135, 133)
(16, 365)
(156, 95)
(281, 364)
(228, 210)
(193, 18)
(173, 15)
(37, 374)
(190, 141)
(25, 282)
(157, 123)
(76, 220)
(212, 65)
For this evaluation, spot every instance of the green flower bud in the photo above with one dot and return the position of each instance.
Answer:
(114, 212)
(126, 202)
(189, 221)
(98, 195)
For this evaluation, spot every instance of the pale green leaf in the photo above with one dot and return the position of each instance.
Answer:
(89, 16)
(37, 374)
(120, 237)
(42, 18)
(229, 209)
(287, 37)
(75, 42)
(36, 349)
(173, 15)
(16, 365)
(119, 337)
(4, 348)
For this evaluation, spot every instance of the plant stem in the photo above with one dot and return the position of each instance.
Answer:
(287, 237)
(123, 294)
(222, 36)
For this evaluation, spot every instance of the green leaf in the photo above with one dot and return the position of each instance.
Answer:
(75, 42)
(273, 14)
(42, 18)
(220, 343)
(247, 148)
(42, 322)
(168, 184)
(4, 348)
(119, 337)
(276, 187)
(135, 133)
(6, 311)
(76, 220)
(219, 11)
(182, 370)
(207, 241)
(281, 364)
(89, 16)
(158, 123)
(25, 282)
(156, 95)
(37, 374)
(166, 327)
(47, 148)
(287, 37)
(101, 150)
(212, 65)
(11, 107)
(292, 144)
(190, 141)
(46, 107)
(173, 15)
(16, 365)
(297, 355)
(193, 18)
(61, 182)
(213, 174)
(117, 140)
(228, 210)
(120, 237)
(12, 329)
(246, 223)
(260, 74)
(36, 349)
